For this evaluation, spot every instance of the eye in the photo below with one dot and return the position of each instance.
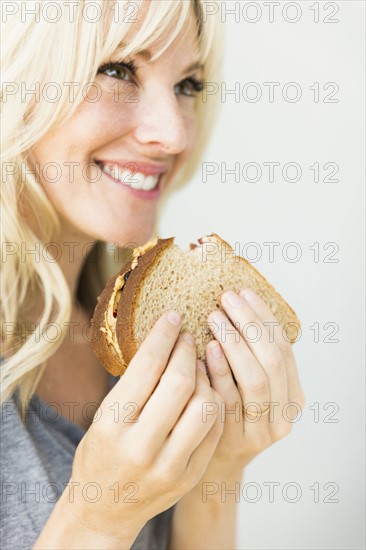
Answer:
(119, 70)
(189, 87)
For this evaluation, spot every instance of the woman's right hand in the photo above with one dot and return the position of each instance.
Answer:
(149, 443)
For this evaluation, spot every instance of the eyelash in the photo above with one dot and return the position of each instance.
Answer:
(197, 84)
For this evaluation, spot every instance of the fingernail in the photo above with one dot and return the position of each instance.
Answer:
(232, 298)
(188, 338)
(215, 349)
(217, 317)
(173, 317)
(249, 295)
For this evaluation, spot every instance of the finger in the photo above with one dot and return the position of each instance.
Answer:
(200, 458)
(176, 386)
(222, 380)
(195, 422)
(277, 333)
(267, 353)
(148, 364)
(252, 380)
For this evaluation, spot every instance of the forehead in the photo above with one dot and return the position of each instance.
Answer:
(153, 33)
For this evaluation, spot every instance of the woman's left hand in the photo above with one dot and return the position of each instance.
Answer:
(264, 367)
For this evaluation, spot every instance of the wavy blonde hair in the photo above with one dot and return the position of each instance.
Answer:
(41, 52)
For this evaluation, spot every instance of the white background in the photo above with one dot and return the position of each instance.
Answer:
(304, 212)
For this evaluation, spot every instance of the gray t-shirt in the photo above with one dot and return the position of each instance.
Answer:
(36, 462)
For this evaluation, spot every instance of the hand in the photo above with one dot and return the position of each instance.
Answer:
(157, 448)
(264, 371)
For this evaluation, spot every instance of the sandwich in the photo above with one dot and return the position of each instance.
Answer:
(161, 276)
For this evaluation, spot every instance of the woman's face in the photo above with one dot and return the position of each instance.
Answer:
(143, 127)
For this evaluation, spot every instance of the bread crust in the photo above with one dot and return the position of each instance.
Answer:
(99, 340)
(125, 313)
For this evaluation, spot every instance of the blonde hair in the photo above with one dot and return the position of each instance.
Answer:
(40, 51)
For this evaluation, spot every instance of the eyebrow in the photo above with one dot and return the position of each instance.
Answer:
(146, 55)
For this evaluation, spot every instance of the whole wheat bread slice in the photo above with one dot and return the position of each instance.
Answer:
(161, 276)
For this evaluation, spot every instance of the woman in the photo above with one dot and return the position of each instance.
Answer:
(129, 112)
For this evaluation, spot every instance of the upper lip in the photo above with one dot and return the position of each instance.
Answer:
(135, 166)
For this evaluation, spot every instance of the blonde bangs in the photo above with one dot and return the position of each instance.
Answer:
(164, 18)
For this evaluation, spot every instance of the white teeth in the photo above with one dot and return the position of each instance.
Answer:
(137, 180)
(125, 176)
(108, 170)
(150, 182)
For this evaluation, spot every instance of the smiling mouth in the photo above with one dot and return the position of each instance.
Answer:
(136, 180)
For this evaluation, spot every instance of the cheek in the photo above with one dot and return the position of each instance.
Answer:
(64, 156)
(96, 124)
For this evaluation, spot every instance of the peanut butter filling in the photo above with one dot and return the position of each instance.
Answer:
(110, 315)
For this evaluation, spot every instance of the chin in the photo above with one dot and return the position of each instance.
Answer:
(125, 228)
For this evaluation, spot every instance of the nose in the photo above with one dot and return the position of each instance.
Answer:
(159, 123)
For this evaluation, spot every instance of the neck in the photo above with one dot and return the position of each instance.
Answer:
(73, 246)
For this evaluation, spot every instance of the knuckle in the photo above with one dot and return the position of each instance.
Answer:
(252, 320)
(168, 475)
(150, 360)
(258, 384)
(163, 476)
(138, 456)
(180, 382)
(275, 362)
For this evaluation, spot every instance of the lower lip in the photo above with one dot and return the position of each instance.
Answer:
(140, 193)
